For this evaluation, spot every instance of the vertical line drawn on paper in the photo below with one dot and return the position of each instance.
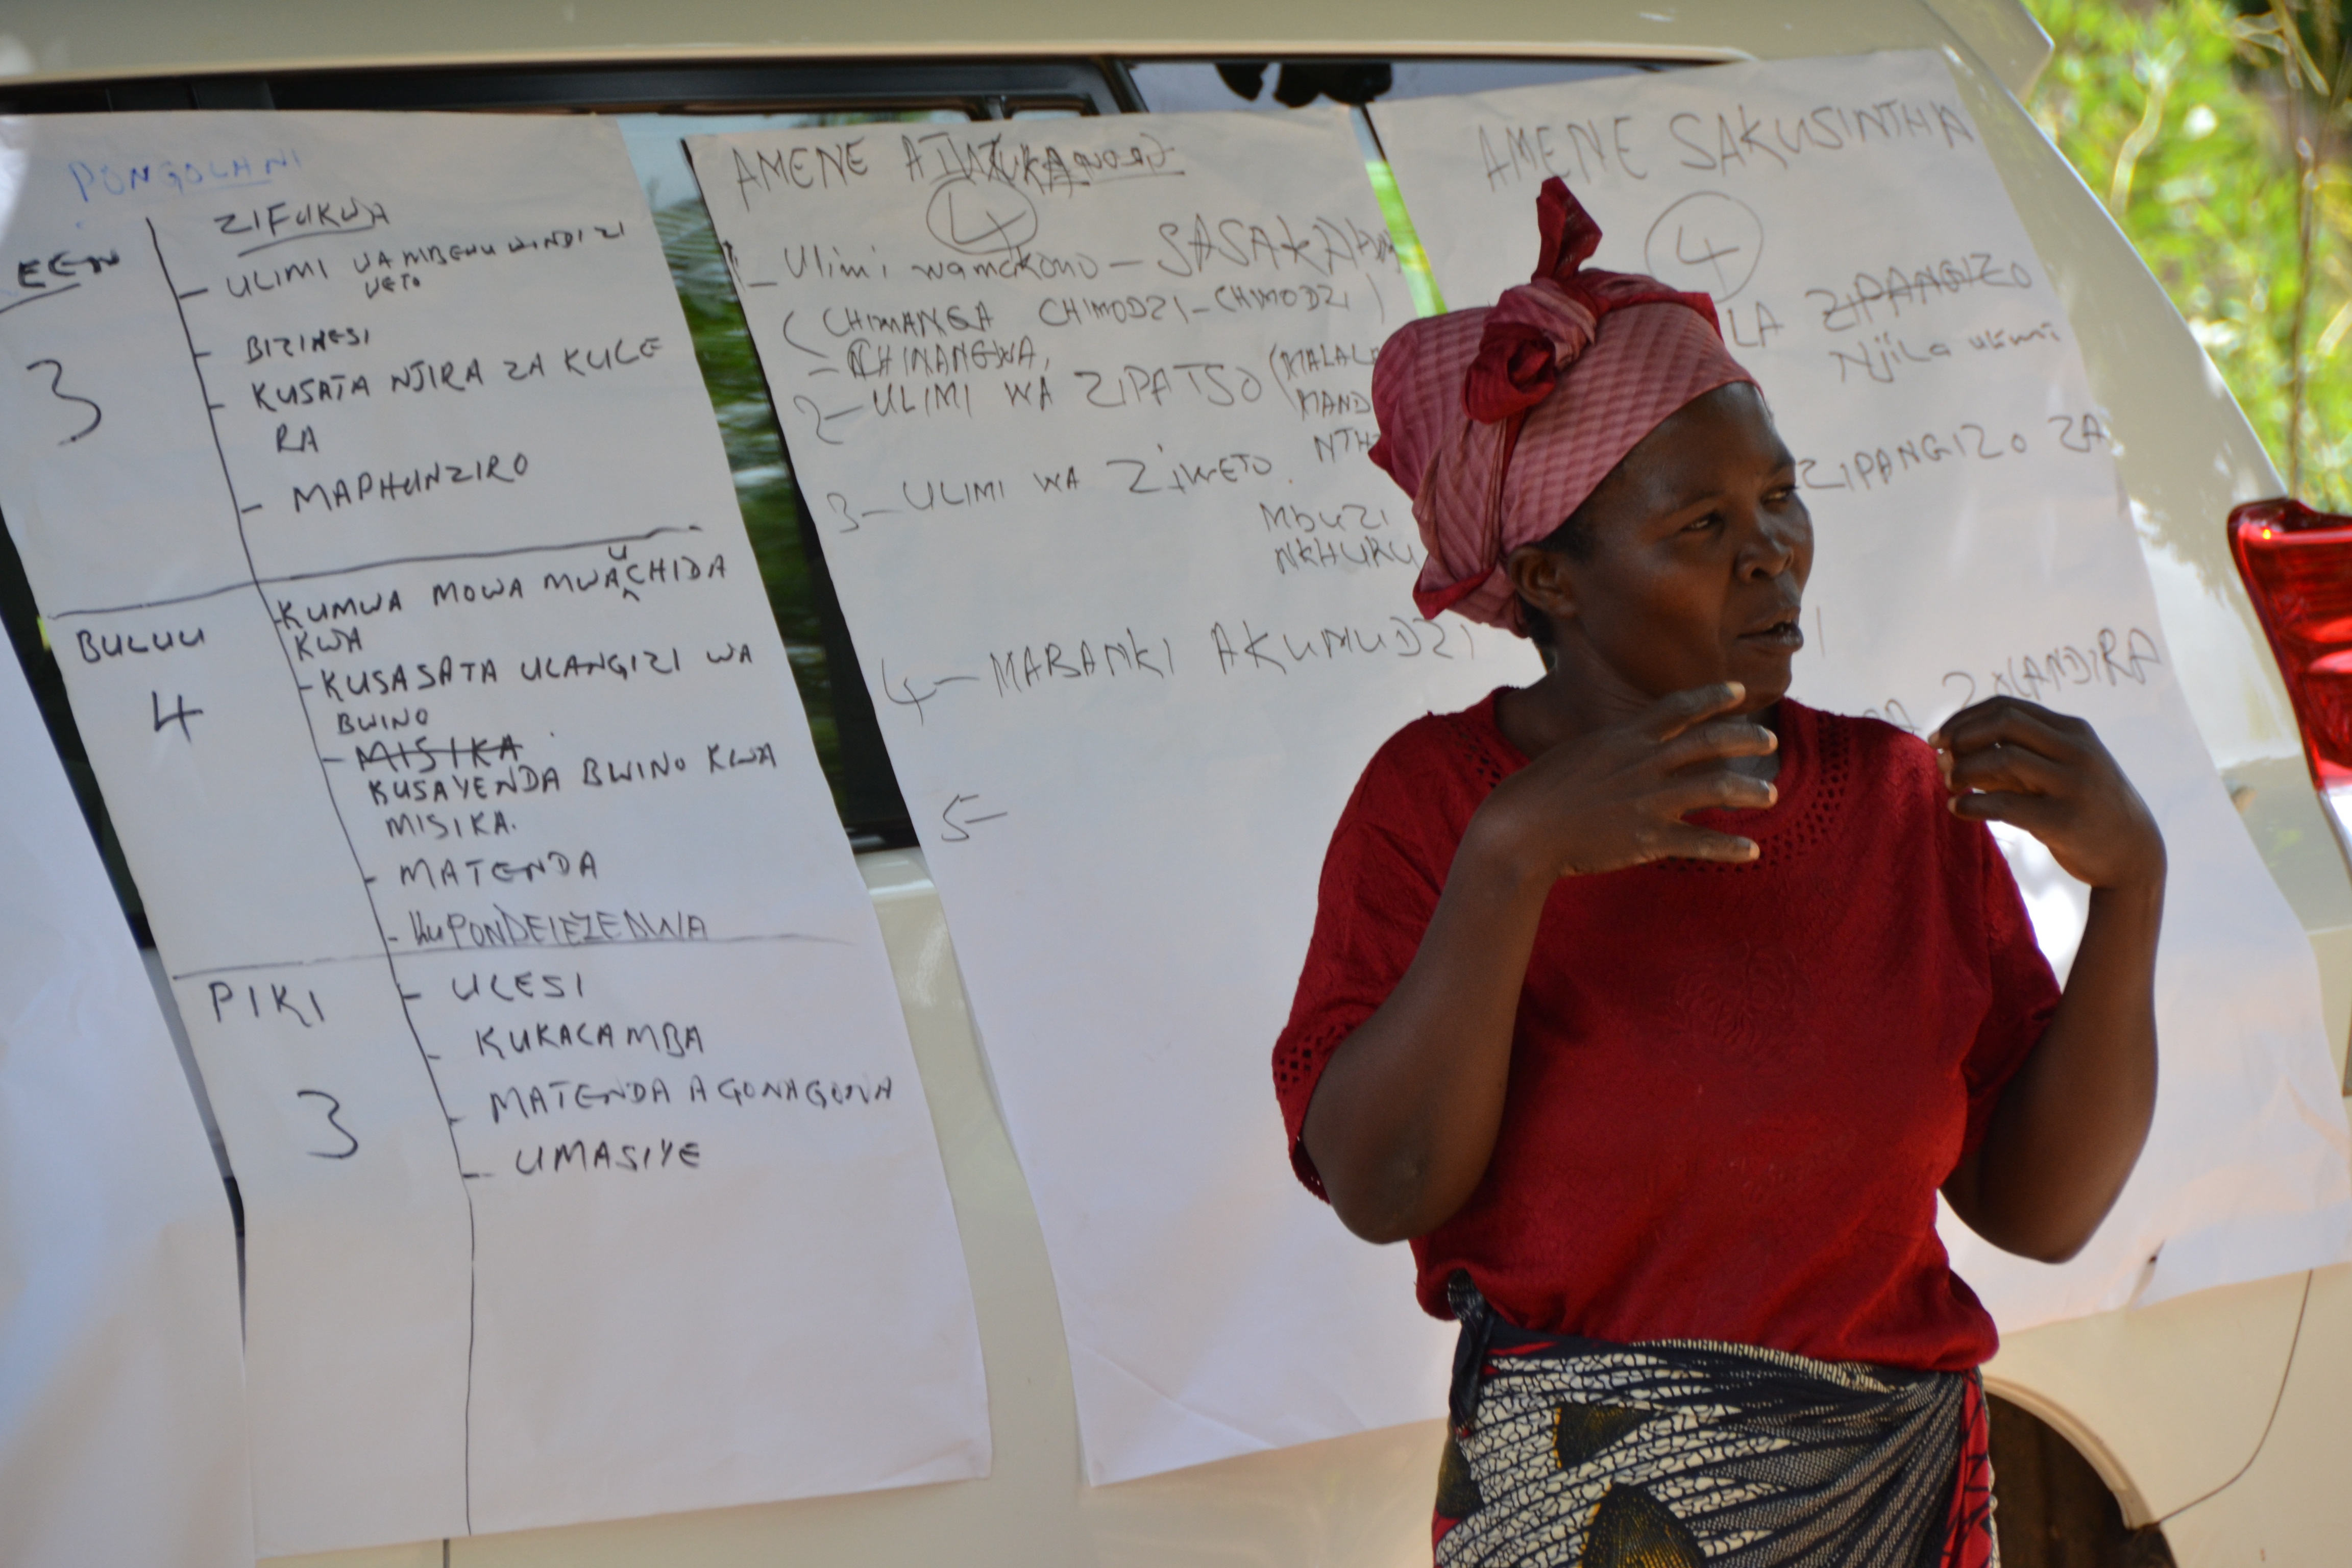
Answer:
(449, 1125)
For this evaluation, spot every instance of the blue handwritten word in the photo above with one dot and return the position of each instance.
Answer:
(182, 176)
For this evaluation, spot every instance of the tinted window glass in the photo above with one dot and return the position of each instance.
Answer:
(791, 563)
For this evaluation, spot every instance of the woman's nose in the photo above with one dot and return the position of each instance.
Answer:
(1771, 548)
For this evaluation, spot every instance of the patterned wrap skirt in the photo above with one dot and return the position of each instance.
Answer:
(1573, 1451)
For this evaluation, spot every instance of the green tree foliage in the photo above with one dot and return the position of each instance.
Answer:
(755, 452)
(2178, 113)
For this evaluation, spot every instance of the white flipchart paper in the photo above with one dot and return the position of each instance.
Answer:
(1081, 409)
(1973, 540)
(367, 481)
(122, 1387)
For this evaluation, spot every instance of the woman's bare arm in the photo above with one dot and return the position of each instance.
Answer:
(1403, 1121)
(2071, 1124)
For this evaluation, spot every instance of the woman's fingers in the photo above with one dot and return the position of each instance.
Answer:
(2008, 721)
(1670, 716)
(1717, 738)
(2007, 761)
(1616, 797)
(1720, 790)
(2009, 746)
(1683, 841)
(2005, 765)
(2036, 814)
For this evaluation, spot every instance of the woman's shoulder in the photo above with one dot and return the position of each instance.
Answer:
(1872, 746)
(1438, 767)
(1465, 744)
(1891, 775)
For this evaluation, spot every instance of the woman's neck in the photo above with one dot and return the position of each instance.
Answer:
(1565, 704)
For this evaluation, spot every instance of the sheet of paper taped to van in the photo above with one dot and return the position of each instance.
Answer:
(118, 1266)
(1081, 408)
(376, 504)
(1973, 540)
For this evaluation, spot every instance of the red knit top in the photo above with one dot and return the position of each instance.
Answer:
(1734, 1090)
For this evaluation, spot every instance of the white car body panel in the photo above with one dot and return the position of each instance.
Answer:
(2222, 1415)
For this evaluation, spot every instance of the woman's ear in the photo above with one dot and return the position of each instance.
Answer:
(1541, 577)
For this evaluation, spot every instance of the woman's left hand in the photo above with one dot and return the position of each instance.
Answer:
(2070, 1125)
(2009, 761)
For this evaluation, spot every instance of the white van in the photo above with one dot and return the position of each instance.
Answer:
(2216, 1423)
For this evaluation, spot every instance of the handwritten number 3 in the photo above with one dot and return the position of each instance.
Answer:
(57, 374)
(333, 1105)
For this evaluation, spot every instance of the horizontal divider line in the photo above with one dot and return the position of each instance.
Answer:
(624, 943)
(245, 583)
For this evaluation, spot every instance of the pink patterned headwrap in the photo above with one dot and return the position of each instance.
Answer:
(1499, 421)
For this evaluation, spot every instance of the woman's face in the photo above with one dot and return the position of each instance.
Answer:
(1698, 554)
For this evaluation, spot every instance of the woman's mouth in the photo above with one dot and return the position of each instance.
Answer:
(1781, 635)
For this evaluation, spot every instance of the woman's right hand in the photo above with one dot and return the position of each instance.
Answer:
(1616, 797)
(1406, 1118)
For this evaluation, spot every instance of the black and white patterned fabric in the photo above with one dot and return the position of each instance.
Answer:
(1569, 1451)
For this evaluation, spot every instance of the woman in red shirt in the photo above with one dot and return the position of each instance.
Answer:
(1654, 1009)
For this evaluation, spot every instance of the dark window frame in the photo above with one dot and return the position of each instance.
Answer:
(987, 88)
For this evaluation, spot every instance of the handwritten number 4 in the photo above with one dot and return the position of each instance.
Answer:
(333, 1105)
(57, 375)
(181, 714)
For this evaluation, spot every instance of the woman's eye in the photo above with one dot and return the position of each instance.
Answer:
(1711, 520)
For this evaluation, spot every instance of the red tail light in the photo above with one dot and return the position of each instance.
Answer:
(2297, 564)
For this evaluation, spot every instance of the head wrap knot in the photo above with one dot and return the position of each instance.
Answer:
(1534, 332)
(1499, 421)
